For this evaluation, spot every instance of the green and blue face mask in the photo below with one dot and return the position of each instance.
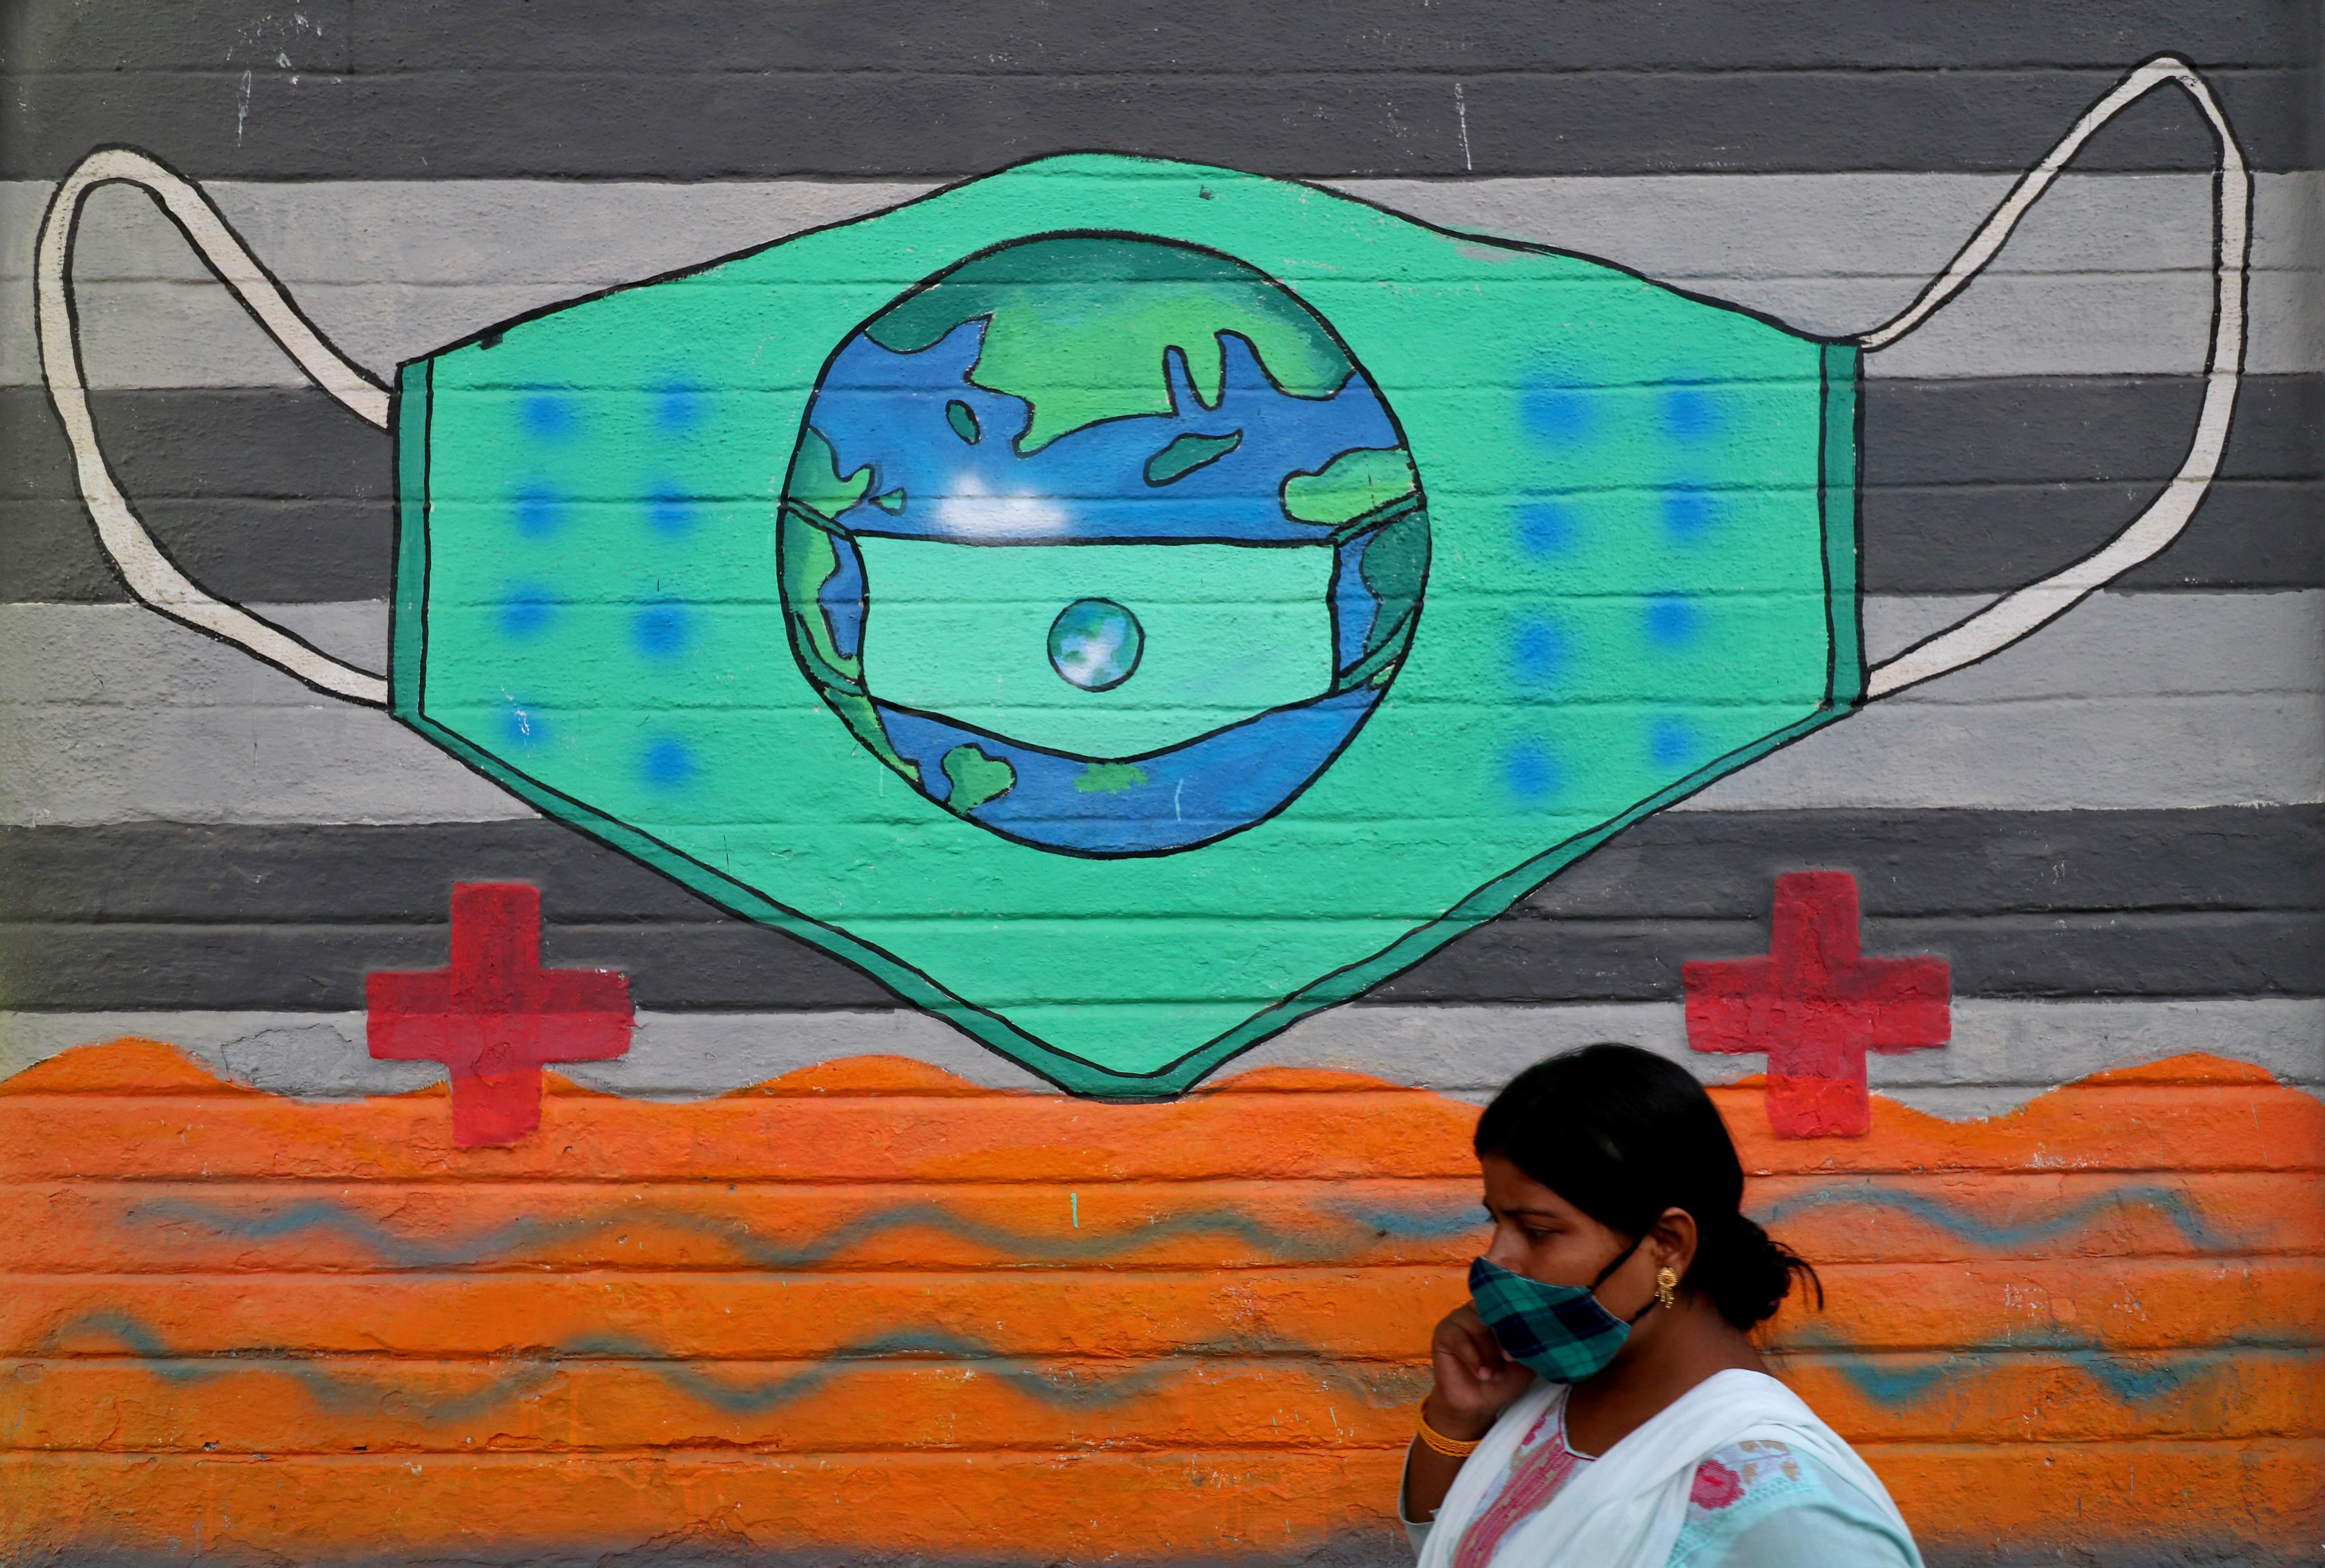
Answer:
(1121, 605)
(1560, 1333)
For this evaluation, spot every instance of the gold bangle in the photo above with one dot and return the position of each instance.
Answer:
(1437, 1443)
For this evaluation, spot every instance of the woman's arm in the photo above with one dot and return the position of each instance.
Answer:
(1474, 1384)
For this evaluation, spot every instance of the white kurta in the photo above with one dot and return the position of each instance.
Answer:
(1627, 1508)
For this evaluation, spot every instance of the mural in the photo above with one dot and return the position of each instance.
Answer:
(1106, 505)
(811, 844)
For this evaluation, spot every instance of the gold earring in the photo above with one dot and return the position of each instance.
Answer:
(1666, 1288)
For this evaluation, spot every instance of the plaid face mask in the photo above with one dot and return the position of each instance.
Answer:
(1559, 1332)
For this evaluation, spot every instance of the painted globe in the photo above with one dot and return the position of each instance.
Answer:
(1104, 544)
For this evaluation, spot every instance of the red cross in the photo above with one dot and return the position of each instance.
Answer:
(1816, 1008)
(495, 1015)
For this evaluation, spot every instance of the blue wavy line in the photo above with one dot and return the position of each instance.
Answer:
(1066, 1388)
(2169, 1202)
(2132, 1377)
(329, 1217)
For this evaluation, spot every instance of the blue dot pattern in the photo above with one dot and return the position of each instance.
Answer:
(669, 762)
(1673, 620)
(660, 630)
(1530, 773)
(1674, 742)
(527, 610)
(551, 418)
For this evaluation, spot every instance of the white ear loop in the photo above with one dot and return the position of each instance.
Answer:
(2016, 615)
(152, 575)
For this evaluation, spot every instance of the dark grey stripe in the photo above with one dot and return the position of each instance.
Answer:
(2223, 902)
(675, 968)
(264, 494)
(267, 550)
(1941, 864)
(1985, 485)
(279, 495)
(2065, 956)
(1690, 866)
(2251, 534)
(2049, 428)
(697, 89)
(1015, 38)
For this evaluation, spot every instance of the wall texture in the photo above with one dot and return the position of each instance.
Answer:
(809, 1259)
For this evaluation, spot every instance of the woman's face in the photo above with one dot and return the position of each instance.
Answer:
(1540, 1235)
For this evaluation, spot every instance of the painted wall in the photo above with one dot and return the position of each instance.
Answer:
(796, 1251)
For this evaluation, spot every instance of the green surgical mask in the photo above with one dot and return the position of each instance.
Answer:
(1123, 605)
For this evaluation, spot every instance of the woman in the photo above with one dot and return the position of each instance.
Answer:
(1599, 1401)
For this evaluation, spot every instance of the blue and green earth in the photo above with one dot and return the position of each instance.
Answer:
(1103, 543)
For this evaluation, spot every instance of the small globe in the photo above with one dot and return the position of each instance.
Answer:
(1095, 643)
(1105, 545)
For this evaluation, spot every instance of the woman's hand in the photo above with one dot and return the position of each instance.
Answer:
(1474, 1384)
(1475, 1381)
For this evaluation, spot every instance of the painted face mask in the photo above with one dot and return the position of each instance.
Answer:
(1123, 605)
(1559, 1331)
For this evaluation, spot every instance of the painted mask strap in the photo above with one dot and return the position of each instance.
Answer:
(150, 574)
(2014, 615)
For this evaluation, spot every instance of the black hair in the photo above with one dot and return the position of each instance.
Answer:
(1622, 1133)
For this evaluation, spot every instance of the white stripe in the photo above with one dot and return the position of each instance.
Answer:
(2106, 276)
(2002, 1053)
(109, 713)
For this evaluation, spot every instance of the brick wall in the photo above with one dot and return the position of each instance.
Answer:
(821, 1266)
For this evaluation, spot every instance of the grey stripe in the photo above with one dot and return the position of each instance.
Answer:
(282, 496)
(1021, 38)
(2002, 1055)
(2223, 902)
(2057, 955)
(1322, 103)
(2108, 275)
(1701, 866)
(110, 713)
(2133, 701)
(735, 966)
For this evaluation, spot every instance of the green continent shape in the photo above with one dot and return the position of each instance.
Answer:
(864, 719)
(804, 561)
(1394, 566)
(1350, 486)
(815, 480)
(1189, 452)
(977, 778)
(1078, 329)
(1109, 778)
